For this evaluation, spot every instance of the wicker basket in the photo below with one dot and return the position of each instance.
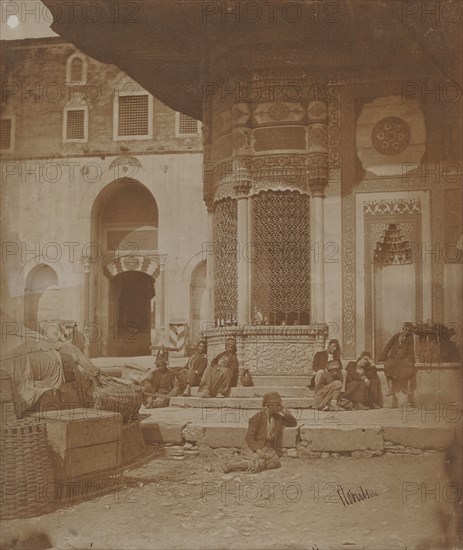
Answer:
(26, 474)
(114, 396)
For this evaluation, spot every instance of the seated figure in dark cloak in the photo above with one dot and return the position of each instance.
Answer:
(222, 374)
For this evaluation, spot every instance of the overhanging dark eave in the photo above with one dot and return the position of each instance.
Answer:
(145, 51)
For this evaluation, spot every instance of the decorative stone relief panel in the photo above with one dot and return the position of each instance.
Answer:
(281, 111)
(391, 136)
(266, 356)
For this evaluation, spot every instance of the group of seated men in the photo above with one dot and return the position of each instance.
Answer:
(214, 380)
(358, 387)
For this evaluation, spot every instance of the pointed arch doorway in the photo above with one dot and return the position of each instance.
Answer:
(129, 280)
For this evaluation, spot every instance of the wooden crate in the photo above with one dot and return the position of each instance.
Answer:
(7, 412)
(83, 441)
(5, 387)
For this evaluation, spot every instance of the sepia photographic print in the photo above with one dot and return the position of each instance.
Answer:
(231, 275)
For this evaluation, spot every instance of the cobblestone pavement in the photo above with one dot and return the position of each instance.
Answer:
(181, 502)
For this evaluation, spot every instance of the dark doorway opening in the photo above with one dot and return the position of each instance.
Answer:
(130, 314)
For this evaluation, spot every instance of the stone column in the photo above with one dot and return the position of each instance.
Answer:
(86, 334)
(317, 142)
(210, 261)
(318, 263)
(244, 302)
(162, 267)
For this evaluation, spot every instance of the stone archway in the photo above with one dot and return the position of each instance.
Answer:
(122, 296)
(198, 302)
(41, 296)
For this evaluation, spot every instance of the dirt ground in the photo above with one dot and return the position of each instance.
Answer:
(190, 503)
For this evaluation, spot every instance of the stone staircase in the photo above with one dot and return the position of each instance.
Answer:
(294, 397)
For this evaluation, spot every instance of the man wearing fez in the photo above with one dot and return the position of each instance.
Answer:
(328, 389)
(321, 359)
(195, 367)
(264, 437)
(399, 364)
(222, 374)
(160, 384)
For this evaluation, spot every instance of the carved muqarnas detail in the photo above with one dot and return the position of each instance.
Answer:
(391, 136)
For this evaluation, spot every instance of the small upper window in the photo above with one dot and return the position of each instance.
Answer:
(6, 134)
(133, 115)
(75, 122)
(133, 111)
(187, 126)
(76, 69)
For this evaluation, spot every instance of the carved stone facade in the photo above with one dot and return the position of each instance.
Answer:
(269, 350)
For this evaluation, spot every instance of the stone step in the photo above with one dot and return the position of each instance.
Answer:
(259, 391)
(236, 402)
(276, 382)
(318, 431)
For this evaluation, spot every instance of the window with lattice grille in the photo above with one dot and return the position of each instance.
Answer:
(5, 133)
(187, 125)
(133, 115)
(75, 127)
(280, 283)
(76, 70)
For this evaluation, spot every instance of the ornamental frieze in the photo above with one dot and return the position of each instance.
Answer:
(391, 206)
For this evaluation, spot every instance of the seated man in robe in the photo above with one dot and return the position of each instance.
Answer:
(357, 383)
(321, 358)
(328, 390)
(195, 367)
(264, 437)
(160, 385)
(222, 374)
(374, 393)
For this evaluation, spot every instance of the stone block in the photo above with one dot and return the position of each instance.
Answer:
(160, 432)
(342, 438)
(290, 436)
(420, 437)
(221, 436)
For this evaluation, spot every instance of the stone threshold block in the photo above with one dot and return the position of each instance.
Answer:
(251, 403)
(228, 436)
(342, 438)
(421, 437)
(162, 432)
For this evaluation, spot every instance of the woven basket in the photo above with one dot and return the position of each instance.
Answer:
(117, 397)
(26, 474)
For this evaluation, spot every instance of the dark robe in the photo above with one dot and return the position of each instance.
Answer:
(320, 360)
(220, 376)
(374, 393)
(256, 437)
(399, 362)
(356, 389)
(263, 434)
(195, 368)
